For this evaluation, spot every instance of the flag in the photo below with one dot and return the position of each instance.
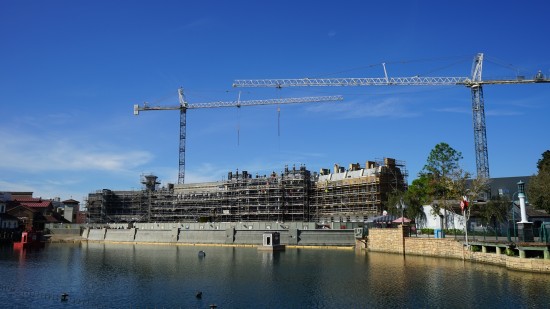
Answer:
(464, 203)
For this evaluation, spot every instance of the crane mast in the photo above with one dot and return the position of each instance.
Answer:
(184, 106)
(474, 82)
(478, 114)
(183, 133)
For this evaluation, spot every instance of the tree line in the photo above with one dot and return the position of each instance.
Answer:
(447, 187)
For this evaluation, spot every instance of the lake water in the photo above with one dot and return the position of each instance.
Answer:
(148, 276)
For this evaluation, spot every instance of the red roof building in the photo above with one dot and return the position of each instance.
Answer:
(44, 206)
(30, 219)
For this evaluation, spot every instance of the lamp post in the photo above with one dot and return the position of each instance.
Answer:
(514, 215)
(465, 213)
(402, 205)
(525, 228)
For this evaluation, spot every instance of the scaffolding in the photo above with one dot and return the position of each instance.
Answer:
(116, 206)
(293, 195)
(242, 198)
(357, 193)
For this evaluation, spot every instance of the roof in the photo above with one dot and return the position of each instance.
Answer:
(26, 199)
(507, 186)
(364, 172)
(71, 201)
(12, 209)
(20, 194)
(533, 212)
(42, 204)
(386, 218)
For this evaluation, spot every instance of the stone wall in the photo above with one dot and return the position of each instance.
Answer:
(385, 240)
(391, 241)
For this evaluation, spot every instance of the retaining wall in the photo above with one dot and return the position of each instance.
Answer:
(202, 237)
(153, 236)
(326, 237)
(195, 233)
(66, 231)
(391, 241)
(120, 235)
(95, 234)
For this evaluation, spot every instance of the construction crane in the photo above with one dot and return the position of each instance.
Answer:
(184, 106)
(475, 83)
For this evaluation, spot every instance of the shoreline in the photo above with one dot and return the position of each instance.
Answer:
(381, 240)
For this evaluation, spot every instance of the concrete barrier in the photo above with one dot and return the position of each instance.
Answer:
(326, 238)
(202, 236)
(65, 231)
(120, 235)
(248, 237)
(164, 236)
(228, 233)
(96, 234)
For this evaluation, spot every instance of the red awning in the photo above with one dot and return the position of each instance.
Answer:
(401, 219)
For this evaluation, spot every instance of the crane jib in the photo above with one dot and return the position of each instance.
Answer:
(379, 81)
(475, 83)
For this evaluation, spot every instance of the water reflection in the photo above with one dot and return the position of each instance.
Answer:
(118, 275)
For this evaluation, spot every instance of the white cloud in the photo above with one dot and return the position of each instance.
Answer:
(496, 113)
(24, 152)
(491, 112)
(11, 186)
(457, 110)
(388, 107)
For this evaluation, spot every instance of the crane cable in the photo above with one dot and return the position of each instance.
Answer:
(279, 121)
(279, 117)
(239, 120)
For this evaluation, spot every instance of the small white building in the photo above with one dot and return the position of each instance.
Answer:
(437, 221)
(271, 242)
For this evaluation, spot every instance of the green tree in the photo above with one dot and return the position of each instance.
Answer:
(538, 188)
(446, 183)
(416, 197)
(441, 168)
(413, 210)
(495, 211)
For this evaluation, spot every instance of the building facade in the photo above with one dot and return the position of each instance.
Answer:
(296, 194)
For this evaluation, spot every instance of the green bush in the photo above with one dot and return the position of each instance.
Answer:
(510, 252)
(475, 248)
(427, 231)
(454, 232)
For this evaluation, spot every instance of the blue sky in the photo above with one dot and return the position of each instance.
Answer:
(71, 71)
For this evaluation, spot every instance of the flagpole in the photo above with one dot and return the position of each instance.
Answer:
(464, 205)
(465, 226)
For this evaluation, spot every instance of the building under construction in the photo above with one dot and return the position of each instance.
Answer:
(296, 194)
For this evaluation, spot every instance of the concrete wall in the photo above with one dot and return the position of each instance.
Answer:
(223, 233)
(120, 235)
(202, 237)
(248, 237)
(95, 234)
(155, 236)
(66, 231)
(326, 237)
